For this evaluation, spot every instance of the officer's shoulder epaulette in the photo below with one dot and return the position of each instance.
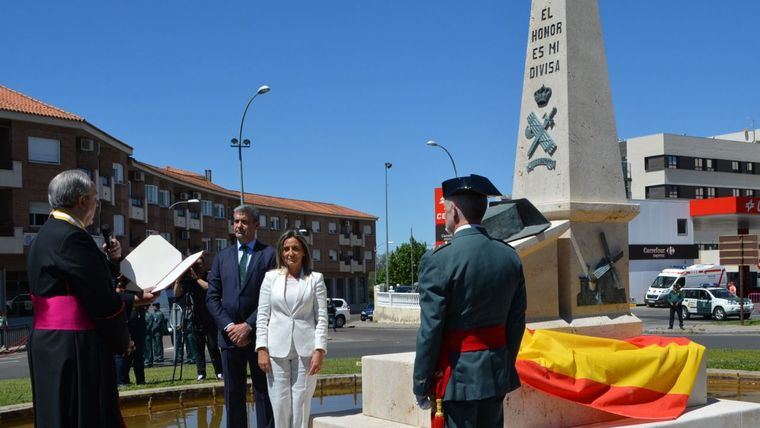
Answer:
(439, 248)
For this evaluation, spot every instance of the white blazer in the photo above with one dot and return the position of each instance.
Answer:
(306, 325)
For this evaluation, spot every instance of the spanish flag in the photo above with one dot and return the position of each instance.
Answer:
(645, 377)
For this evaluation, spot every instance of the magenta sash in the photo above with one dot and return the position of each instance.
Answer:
(60, 313)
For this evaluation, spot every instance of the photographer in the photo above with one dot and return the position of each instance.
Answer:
(193, 286)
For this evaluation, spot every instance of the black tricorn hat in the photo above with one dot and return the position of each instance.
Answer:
(473, 185)
(158, 305)
(514, 219)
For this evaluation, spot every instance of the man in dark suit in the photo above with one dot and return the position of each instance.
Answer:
(234, 283)
(79, 320)
(472, 300)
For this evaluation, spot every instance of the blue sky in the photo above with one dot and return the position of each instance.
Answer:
(357, 83)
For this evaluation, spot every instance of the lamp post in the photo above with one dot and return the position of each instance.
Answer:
(239, 142)
(388, 166)
(432, 143)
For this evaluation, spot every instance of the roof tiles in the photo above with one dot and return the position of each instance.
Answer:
(11, 100)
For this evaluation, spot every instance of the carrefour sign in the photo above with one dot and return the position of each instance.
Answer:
(662, 251)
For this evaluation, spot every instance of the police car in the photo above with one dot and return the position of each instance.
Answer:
(715, 302)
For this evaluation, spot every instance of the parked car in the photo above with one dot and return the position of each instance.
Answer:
(20, 304)
(403, 289)
(713, 302)
(368, 312)
(342, 311)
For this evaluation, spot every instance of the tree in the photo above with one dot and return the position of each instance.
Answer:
(405, 263)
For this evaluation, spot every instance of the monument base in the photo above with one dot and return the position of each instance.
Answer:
(387, 401)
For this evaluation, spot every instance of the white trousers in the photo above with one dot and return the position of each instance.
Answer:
(290, 390)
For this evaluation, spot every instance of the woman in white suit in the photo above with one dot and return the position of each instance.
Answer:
(291, 331)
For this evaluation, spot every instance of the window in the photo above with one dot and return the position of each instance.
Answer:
(368, 255)
(698, 164)
(316, 255)
(206, 242)
(275, 223)
(332, 228)
(736, 192)
(207, 208)
(749, 192)
(38, 213)
(316, 226)
(672, 161)
(699, 193)
(149, 232)
(735, 166)
(367, 229)
(710, 192)
(167, 236)
(118, 225)
(195, 215)
(297, 224)
(105, 181)
(151, 194)
(118, 173)
(681, 226)
(221, 244)
(163, 198)
(709, 165)
(219, 210)
(285, 223)
(333, 255)
(750, 168)
(179, 210)
(672, 192)
(44, 150)
(136, 202)
(262, 220)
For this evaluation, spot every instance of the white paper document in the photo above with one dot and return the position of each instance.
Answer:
(155, 264)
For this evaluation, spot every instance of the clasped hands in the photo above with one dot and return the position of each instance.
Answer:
(317, 357)
(239, 334)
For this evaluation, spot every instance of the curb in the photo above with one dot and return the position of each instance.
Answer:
(180, 393)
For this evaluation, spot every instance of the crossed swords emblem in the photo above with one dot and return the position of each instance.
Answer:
(539, 133)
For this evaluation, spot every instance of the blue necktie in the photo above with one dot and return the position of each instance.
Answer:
(243, 263)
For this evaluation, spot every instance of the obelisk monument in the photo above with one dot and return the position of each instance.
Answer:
(568, 161)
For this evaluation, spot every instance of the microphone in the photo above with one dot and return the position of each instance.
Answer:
(106, 231)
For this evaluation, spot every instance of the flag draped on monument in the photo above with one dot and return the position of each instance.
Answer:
(645, 377)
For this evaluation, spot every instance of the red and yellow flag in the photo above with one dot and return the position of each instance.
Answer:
(645, 377)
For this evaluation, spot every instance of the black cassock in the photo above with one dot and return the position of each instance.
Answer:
(79, 324)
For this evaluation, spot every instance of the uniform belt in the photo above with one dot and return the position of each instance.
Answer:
(60, 313)
(458, 341)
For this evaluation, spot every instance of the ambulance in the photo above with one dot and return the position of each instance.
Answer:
(701, 275)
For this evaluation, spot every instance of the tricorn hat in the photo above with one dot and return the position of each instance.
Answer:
(473, 185)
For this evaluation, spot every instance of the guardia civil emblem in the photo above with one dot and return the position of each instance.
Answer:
(538, 131)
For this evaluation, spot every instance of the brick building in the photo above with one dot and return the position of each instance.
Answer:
(137, 199)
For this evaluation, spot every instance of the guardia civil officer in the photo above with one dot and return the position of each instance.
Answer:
(472, 300)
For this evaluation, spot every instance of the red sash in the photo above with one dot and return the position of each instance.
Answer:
(60, 313)
(457, 341)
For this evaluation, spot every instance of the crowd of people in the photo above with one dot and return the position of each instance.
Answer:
(265, 309)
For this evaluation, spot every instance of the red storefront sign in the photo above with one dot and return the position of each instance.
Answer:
(723, 206)
(440, 218)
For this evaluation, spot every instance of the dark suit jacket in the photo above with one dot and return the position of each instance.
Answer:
(474, 281)
(227, 300)
(64, 259)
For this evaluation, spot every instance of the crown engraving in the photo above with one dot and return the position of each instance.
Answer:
(542, 96)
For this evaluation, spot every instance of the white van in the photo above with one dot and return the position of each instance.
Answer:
(692, 276)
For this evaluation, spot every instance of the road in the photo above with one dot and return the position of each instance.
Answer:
(360, 339)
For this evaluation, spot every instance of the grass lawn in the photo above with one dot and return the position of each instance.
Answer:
(735, 321)
(16, 391)
(733, 359)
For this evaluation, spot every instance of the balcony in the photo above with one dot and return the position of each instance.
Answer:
(106, 193)
(136, 213)
(345, 266)
(180, 220)
(10, 177)
(357, 240)
(194, 224)
(13, 244)
(344, 239)
(357, 266)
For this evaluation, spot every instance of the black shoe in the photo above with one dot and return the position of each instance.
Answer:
(670, 328)
(681, 327)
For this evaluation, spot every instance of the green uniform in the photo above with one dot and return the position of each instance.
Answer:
(159, 328)
(149, 320)
(472, 282)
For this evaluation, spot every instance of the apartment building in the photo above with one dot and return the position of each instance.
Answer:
(37, 141)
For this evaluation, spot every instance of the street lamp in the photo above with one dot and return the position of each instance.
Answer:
(388, 166)
(432, 143)
(240, 142)
(189, 201)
